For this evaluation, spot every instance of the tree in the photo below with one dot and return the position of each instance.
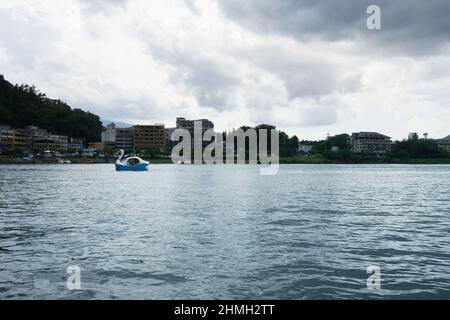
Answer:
(416, 149)
(24, 105)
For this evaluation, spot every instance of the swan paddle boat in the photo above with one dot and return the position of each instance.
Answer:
(131, 163)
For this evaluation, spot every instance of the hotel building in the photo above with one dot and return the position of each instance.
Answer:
(370, 142)
(124, 138)
(149, 137)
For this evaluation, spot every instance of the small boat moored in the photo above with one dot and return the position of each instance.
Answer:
(131, 163)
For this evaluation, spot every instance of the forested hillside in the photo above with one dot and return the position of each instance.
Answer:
(24, 105)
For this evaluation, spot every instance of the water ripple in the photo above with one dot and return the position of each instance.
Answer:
(225, 232)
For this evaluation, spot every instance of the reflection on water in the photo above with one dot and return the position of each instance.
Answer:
(224, 232)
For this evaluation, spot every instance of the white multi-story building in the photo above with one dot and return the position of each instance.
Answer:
(304, 148)
(109, 134)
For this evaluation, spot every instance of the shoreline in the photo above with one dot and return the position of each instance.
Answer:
(424, 161)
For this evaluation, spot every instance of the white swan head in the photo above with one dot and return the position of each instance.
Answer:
(121, 153)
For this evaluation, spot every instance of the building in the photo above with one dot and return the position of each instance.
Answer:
(444, 144)
(169, 132)
(109, 135)
(22, 139)
(114, 137)
(60, 142)
(183, 123)
(169, 143)
(75, 144)
(413, 136)
(34, 131)
(41, 143)
(50, 142)
(304, 148)
(32, 137)
(124, 138)
(189, 125)
(6, 137)
(89, 152)
(370, 142)
(41, 139)
(96, 146)
(149, 137)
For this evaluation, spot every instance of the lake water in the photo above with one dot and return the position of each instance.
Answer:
(225, 232)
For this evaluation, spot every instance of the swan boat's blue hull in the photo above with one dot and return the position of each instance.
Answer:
(139, 167)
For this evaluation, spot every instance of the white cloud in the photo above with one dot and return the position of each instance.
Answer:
(145, 62)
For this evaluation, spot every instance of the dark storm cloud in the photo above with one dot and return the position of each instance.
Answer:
(409, 26)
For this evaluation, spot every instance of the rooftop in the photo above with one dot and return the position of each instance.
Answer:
(369, 135)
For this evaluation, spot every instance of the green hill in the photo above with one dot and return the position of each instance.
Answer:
(24, 105)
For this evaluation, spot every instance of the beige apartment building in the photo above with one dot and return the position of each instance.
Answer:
(149, 137)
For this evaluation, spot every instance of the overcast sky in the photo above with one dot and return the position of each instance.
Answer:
(309, 67)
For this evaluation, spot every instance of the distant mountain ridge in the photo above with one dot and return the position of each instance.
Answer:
(24, 105)
(118, 124)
